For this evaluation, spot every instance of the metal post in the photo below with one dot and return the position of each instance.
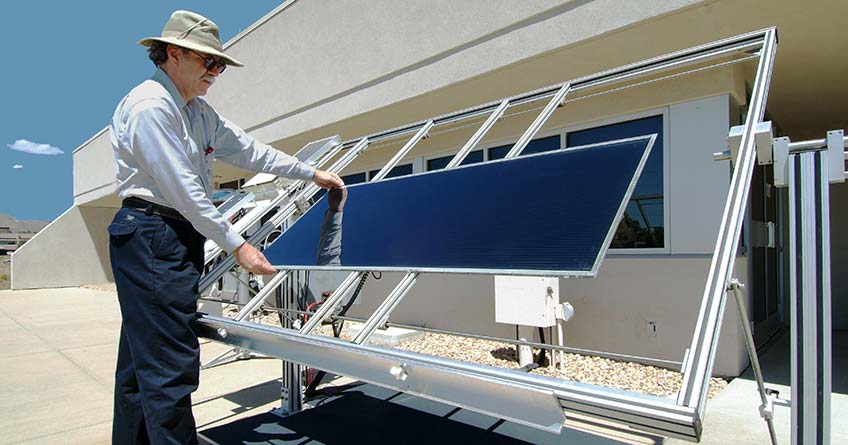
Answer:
(766, 409)
(809, 275)
(291, 388)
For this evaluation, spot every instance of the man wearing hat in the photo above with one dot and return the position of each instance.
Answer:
(165, 138)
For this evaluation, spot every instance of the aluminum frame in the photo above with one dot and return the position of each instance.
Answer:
(701, 357)
(679, 417)
(810, 305)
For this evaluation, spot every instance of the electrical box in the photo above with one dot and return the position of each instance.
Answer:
(526, 301)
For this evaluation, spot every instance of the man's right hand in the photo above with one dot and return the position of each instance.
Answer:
(327, 180)
(252, 260)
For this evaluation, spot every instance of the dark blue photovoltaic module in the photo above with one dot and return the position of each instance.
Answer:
(552, 213)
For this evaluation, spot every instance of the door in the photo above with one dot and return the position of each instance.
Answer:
(766, 274)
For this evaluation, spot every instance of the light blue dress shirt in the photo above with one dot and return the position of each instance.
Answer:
(164, 151)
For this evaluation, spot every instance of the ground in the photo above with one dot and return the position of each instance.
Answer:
(5, 272)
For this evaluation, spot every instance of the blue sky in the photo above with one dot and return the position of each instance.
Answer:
(66, 66)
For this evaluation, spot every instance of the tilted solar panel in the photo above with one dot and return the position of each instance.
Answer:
(545, 214)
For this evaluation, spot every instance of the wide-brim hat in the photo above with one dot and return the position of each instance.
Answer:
(193, 31)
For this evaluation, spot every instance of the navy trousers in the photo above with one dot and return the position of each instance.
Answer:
(157, 263)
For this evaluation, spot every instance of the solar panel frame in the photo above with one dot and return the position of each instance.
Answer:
(590, 273)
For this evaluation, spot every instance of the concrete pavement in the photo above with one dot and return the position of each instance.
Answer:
(57, 359)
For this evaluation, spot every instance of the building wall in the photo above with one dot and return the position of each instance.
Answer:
(382, 52)
(94, 169)
(71, 251)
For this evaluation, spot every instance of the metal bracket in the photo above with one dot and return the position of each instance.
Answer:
(781, 161)
(762, 139)
(836, 156)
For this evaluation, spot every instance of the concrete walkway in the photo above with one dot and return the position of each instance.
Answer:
(57, 360)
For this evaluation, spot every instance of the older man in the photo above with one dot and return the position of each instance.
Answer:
(165, 138)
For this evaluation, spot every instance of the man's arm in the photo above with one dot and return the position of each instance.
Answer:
(153, 133)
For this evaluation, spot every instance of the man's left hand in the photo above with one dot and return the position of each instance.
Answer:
(327, 180)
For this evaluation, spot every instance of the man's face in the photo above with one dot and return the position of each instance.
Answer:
(191, 75)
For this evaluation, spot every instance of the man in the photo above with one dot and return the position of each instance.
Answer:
(165, 138)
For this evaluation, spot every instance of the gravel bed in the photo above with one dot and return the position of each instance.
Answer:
(617, 374)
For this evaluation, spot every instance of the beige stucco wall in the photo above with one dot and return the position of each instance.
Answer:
(94, 169)
(72, 250)
(611, 311)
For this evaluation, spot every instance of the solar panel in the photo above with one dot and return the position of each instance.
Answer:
(552, 213)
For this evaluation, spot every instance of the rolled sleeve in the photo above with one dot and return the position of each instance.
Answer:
(153, 132)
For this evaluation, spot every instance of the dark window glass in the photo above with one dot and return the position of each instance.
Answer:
(535, 146)
(643, 222)
(398, 170)
(355, 178)
(440, 163)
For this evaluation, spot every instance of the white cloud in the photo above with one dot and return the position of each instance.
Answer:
(35, 148)
(16, 166)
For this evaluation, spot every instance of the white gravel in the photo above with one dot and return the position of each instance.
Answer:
(617, 374)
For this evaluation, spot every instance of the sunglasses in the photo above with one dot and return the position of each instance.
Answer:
(211, 63)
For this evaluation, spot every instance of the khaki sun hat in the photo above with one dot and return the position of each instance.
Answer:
(193, 31)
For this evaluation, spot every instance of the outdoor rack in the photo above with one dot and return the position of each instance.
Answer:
(542, 402)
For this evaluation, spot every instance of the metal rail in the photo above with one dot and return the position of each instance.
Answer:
(698, 367)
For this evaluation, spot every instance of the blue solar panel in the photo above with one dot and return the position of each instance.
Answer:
(546, 214)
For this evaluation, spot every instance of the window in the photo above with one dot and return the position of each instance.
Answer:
(442, 162)
(398, 170)
(356, 178)
(535, 146)
(643, 224)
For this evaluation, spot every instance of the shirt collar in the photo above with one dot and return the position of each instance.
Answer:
(162, 77)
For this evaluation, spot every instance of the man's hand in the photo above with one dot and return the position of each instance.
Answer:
(327, 180)
(252, 260)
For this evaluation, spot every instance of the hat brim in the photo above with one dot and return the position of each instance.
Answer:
(191, 45)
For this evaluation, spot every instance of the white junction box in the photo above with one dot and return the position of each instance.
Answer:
(527, 301)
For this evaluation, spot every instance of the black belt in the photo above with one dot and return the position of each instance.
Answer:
(150, 208)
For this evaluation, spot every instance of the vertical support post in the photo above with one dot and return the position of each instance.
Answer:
(809, 275)
(291, 391)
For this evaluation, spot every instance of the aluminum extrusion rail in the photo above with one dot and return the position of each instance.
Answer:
(699, 365)
(488, 390)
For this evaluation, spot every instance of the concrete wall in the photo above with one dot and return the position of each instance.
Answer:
(380, 52)
(611, 312)
(94, 169)
(71, 251)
